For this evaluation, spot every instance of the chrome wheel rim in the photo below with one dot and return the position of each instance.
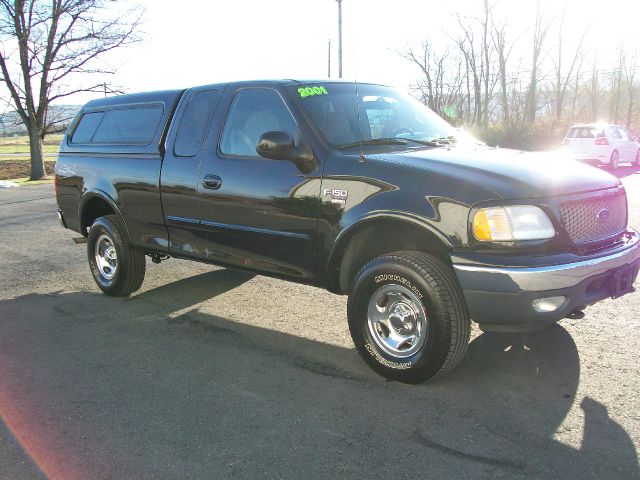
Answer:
(397, 320)
(106, 257)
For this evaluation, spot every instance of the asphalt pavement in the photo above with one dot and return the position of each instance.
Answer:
(212, 373)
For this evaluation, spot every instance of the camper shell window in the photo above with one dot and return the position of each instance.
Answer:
(135, 125)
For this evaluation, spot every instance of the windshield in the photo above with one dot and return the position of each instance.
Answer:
(376, 116)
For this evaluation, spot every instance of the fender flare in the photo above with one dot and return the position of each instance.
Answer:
(91, 194)
(341, 242)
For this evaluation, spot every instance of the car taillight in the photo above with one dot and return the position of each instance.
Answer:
(602, 141)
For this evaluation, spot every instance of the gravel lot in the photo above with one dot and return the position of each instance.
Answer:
(211, 373)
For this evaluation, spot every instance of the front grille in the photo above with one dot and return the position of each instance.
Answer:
(595, 219)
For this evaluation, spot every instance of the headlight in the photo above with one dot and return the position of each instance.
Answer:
(519, 222)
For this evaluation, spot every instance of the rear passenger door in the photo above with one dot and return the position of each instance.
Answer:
(258, 213)
(179, 180)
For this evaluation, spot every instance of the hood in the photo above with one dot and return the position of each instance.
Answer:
(510, 174)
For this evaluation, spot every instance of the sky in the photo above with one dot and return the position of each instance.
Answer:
(195, 42)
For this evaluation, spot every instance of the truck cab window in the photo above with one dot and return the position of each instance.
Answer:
(253, 112)
(194, 123)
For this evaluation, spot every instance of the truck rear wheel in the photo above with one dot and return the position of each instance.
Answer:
(117, 268)
(407, 316)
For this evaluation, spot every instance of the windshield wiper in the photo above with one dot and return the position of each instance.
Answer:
(428, 143)
(444, 140)
(376, 141)
(436, 142)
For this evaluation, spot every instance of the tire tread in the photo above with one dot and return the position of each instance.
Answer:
(132, 264)
(442, 280)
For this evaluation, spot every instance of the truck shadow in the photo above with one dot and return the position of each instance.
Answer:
(189, 291)
(97, 387)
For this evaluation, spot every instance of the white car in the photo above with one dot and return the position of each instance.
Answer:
(602, 144)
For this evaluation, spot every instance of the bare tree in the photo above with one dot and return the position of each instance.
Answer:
(615, 97)
(503, 52)
(513, 101)
(594, 90)
(541, 29)
(486, 63)
(630, 80)
(431, 65)
(44, 43)
(518, 94)
(467, 43)
(441, 79)
(563, 79)
(576, 89)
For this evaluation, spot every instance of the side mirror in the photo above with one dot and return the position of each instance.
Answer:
(280, 145)
(277, 145)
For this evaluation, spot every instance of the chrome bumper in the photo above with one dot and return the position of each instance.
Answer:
(505, 295)
(552, 277)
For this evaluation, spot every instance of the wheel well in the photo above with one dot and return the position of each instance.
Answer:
(95, 208)
(377, 239)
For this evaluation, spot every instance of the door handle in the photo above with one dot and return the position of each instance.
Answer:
(212, 182)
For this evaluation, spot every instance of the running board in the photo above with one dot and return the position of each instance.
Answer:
(79, 240)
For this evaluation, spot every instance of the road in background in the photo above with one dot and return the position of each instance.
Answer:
(212, 373)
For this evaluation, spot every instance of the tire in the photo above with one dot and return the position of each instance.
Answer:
(615, 160)
(117, 268)
(420, 298)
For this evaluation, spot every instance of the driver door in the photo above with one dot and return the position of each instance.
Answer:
(258, 213)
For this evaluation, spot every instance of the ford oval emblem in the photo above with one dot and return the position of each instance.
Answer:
(603, 215)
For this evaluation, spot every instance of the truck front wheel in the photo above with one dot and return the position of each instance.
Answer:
(117, 268)
(407, 316)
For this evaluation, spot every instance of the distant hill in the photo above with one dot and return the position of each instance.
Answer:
(11, 124)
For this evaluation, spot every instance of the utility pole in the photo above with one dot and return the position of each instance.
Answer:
(329, 61)
(339, 38)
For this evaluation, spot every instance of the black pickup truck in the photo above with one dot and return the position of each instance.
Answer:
(356, 188)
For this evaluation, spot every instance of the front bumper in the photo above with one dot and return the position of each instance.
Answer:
(498, 295)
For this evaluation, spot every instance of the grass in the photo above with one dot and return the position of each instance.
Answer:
(9, 158)
(25, 148)
(53, 139)
(15, 161)
(20, 144)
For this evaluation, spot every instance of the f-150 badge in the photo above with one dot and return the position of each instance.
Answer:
(337, 195)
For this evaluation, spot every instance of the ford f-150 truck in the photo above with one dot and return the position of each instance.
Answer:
(356, 188)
